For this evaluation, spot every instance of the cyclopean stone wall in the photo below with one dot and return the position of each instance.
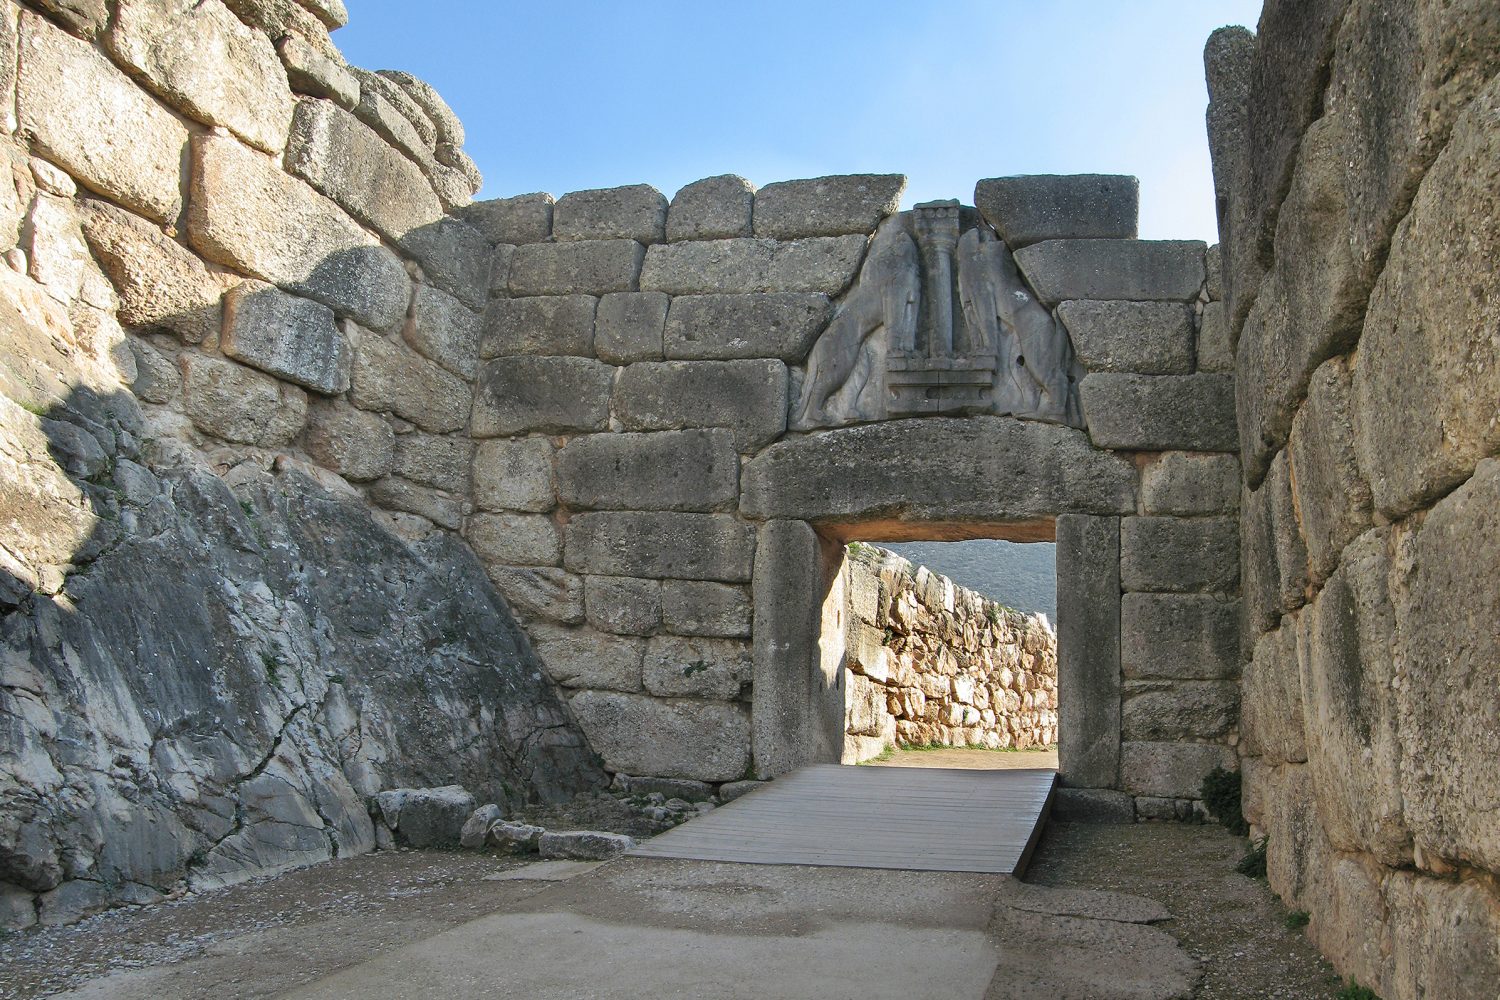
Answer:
(931, 663)
(1356, 146)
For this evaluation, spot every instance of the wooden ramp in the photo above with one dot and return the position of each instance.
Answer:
(924, 819)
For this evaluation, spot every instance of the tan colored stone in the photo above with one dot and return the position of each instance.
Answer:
(239, 404)
(680, 738)
(355, 444)
(515, 539)
(540, 592)
(584, 658)
(691, 666)
(514, 475)
(623, 604)
(442, 462)
(390, 377)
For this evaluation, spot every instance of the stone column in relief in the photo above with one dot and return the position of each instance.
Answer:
(1088, 650)
(936, 226)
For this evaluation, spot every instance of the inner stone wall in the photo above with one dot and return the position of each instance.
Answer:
(1356, 151)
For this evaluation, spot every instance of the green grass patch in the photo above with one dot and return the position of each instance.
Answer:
(1253, 864)
(1296, 920)
(1221, 797)
(1354, 991)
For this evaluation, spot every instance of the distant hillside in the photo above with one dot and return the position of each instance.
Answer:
(1023, 576)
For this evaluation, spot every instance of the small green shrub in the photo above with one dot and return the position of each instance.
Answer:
(1296, 920)
(696, 667)
(1221, 797)
(1253, 864)
(1354, 991)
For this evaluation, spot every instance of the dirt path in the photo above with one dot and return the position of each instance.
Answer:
(979, 760)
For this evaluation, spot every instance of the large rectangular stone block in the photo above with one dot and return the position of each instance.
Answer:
(540, 592)
(539, 324)
(628, 326)
(623, 604)
(1176, 555)
(1088, 650)
(708, 267)
(826, 206)
(634, 212)
(526, 218)
(444, 329)
(239, 404)
(1170, 770)
(720, 327)
(390, 377)
(1179, 709)
(590, 267)
(1148, 338)
(553, 395)
(641, 736)
(1179, 482)
(1160, 412)
(1272, 725)
(514, 475)
(1140, 270)
(748, 397)
(697, 607)
(714, 208)
(649, 544)
(1031, 208)
(584, 658)
(287, 336)
(515, 539)
(1333, 500)
(696, 667)
(454, 256)
(1180, 636)
(434, 460)
(691, 470)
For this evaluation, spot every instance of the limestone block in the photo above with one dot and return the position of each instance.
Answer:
(651, 544)
(357, 445)
(9, 44)
(446, 125)
(157, 379)
(1147, 338)
(1213, 285)
(526, 218)
(635, 212)
(426, 817)
(444, 330)
(1260, 581)
(1139, 270)
(938, 469)
(477, 827)
(239, 404)
(709, 267)
(57, 255)
(690, 470)
(203, 60)
(1228, 59)
(826, 206)
(1178, 709)
(386, 108)
(714, 208)
(628, 326)
(454, 256)
(500, 271)
(544, 592)
(1215, 342)
(514, 475)
(69, 94)
(345, 159)
(695, 667)
(583, 845)
(287, 336)
(622, 604)
(442, 462)
(720, 327)
(696, 607)
(584, 658)
(1445, 936)
(1160, 412)
(1028, 209)
(310, 21)
(1291, 552)
(390, 377)
(314, 72)
(748, 397)
(1179, 636)
(816, 264)
(1447, 647)
(1271, 713)
(1332, 498)
(1171, 770)
(592, 267)
(702, 740)
(1298, 854)
(1177, 555)
(556, 395)
(395, 493)
(1179, 482)
(1088, 650)
(540, 324)
(1428, 369)
(85, 18)
(160, 285)
(244, 212)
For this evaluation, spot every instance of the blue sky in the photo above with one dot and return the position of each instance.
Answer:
(570, 94)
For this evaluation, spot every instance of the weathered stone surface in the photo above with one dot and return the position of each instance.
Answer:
(245, 213)
(714, 208)
(692, 470)
(1088, 650)
(1428, 369)
(388, 376)
(583, 845)
(57, 255)
(310, 21)
(584, 658)
(85, 18)
(693, 667)
(1172, 770)
(477, 827)
(157, 379)
(239, 404)
(541, 324)
(386, 108)
(290, 337)
(696, 607)
(1215, 343)
(395, 493)
(1228, 58)
(446, 125)
(514, 475)
(444, 330)
(1260, 581)
(592, 267)
(556, 395)
(1093, 805)
(442, 462)
(1139, 270)
(826, 206)
(526, 218)
(357, 445)
(1160, 412)
(1028, 209)
(426, 817)
(1179, 482)
(1291, 552)
(454, 256)
(742, 266)
(748, 397)
(515, 838)
(1271, 715)
(1332, 498)
(345, 159)
(718, 327)
(314, 72)
(1175, 555)
(1444, 936)
(141, 166)
(202, 59)
(628, 326)
(1147, 338)
(160, 285)
(1447, 648)
(540, 592)
(938, 469)
(704, 740)
(731, 790)
(1179, 636)
(622, 604)
(816, 264)
(681, 546)
(1178, 709)
(636, 212)
(515, 539)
